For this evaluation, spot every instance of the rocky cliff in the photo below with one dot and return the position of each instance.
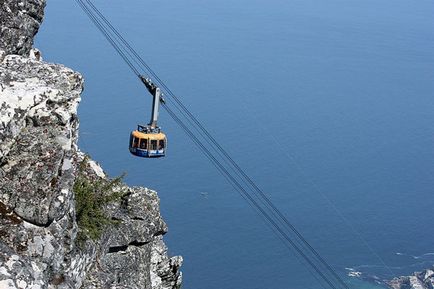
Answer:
(20, 20)
(419, 280)
(63, 222)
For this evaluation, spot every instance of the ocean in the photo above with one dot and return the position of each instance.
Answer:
(327, 105)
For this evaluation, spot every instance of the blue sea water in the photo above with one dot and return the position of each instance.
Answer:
(328, 105)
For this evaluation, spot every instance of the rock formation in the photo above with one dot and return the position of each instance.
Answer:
(419, 280)
(19, 22)
(41, 242)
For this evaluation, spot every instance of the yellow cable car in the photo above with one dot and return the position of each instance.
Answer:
(149, 141)
(147, 144)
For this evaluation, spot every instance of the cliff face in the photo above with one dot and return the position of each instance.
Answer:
(41, 242)
(20, 20)
(420, 280)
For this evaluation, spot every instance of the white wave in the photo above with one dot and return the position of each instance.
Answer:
(355, 274)
(415, 257)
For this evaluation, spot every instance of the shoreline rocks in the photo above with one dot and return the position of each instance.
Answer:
(419, 280)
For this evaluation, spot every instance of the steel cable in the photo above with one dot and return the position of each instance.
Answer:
(129, 56)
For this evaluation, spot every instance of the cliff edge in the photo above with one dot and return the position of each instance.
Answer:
(63, 222)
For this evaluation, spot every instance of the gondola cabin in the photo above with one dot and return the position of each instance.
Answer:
(148, 144)
(148, 141)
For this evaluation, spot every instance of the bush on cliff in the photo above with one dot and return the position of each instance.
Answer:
(92, 195)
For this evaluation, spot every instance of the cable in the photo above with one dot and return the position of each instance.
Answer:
(202, 128)
(244, 193)
(129, 55)
(107, 36)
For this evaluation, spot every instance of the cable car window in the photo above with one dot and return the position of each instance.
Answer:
(144, 144)
(153, 144)
(136, 142)
(162, 144)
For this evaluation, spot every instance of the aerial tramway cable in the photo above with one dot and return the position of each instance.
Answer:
(270, 213)
(107, 36)
(111, 40)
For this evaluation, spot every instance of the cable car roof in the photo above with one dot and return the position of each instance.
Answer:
(151, 136)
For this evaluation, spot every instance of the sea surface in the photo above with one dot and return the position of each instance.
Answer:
(328, 105)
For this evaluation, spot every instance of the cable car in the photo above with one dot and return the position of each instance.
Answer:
(148, 141)
(147, 144)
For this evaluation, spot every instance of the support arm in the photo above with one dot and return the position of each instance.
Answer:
(157, 97)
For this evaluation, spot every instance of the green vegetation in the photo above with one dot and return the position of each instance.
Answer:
(91, 196)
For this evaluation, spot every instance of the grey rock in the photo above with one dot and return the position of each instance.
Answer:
(38, 167)
(36, 143)
(2, 55)
(19, 22)
(419, 280)
(165, 272)
(39, 164)
(131, 253)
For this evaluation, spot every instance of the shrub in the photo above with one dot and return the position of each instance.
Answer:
(91, 197)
